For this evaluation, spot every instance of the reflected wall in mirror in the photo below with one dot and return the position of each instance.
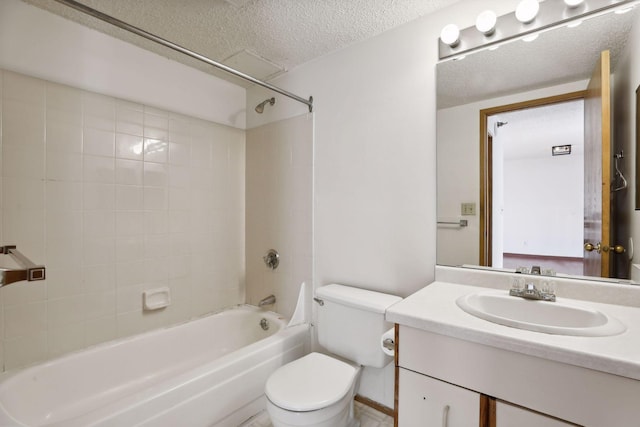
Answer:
(559, 61)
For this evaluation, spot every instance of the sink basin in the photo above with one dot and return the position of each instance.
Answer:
(559, 318)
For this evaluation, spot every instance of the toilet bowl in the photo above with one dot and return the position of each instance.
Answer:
(316, 390)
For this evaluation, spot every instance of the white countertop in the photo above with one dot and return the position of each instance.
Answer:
(434, 309)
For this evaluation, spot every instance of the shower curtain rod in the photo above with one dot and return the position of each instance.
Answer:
(128, 27)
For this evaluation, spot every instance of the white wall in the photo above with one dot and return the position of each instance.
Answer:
(375, 159)
(458, 151)
(375, 152)
(543, 208)
(627, 80)
(40, 44)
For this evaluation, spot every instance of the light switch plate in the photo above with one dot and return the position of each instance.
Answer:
(468, 208)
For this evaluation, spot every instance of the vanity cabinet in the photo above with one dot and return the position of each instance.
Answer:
(448, 382)
(507, 415)
(425, 401)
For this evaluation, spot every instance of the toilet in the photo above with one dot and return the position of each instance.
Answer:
(318, 390)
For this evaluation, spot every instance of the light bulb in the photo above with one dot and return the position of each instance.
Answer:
(527, 11)
(450, 35)
(486, 22)
(573, 3)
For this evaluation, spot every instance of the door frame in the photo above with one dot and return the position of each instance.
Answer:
(486, 168)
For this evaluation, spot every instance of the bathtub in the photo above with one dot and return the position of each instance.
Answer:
(206, 372)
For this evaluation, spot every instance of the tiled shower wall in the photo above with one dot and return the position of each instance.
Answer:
(279, 210)
(114, 198)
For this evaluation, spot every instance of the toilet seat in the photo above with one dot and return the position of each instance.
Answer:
(312, 382)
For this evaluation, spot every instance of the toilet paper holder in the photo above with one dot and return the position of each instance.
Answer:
(389, 344)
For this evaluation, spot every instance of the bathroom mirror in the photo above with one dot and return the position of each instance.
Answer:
(559, 61)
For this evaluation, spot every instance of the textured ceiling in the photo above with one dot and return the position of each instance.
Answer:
(287, 33)
(557, 56)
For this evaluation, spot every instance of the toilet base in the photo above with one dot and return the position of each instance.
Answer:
(338, 415)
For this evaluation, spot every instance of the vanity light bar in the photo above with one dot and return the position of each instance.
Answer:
(552, 13)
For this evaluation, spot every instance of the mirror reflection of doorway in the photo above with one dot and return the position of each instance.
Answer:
(537, 192)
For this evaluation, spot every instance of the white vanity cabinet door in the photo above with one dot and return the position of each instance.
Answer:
(513, 416)
(426, 402)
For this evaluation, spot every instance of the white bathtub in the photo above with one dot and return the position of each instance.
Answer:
(207, 372)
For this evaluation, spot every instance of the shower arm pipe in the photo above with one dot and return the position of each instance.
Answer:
(149, 36)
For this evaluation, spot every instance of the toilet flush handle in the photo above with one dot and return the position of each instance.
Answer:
(319, 301)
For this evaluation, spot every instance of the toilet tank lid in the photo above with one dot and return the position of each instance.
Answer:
(363, 299)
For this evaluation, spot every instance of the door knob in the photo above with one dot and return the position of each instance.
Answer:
(590, 247)
(618, 249)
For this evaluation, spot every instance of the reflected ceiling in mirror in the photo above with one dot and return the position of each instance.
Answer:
(557, 56)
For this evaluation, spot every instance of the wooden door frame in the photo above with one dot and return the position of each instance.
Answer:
(486, 170)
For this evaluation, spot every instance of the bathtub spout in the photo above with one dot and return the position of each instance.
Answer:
(270, 300)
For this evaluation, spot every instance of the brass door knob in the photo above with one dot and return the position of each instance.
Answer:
(590, 247)
(618, 249)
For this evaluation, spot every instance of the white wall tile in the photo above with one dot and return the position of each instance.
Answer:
(130, 249)
(62, 136)
(64, 196)
(98, 251)
(156, 175)
(98, 169)
(64, 166)
(65, 339)
(99, 142)
(64, 98)
(129, 172)
(179, 153)
(20, 193)
(22, 162)
(92, 187)
(130, 223)
(64, 311)
(63, 252)
(99, 224)
(129, 146)
(98, 111)
(100, 330)
(25, 319)
(156, 199)
(99, 196)
(129, 274)
(129, 198)
(129, 119)
(99, 304)
(64, 282)
(24, 350)
(24, 227)
(155, 150)
(99, 278)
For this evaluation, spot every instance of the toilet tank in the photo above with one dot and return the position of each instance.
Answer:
(351, 322)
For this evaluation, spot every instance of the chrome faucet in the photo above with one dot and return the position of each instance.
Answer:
(270, 300)
(531, 292)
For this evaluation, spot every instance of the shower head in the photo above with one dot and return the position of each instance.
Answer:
(260, 107)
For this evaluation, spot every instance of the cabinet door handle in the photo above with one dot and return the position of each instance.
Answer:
(445, 416)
